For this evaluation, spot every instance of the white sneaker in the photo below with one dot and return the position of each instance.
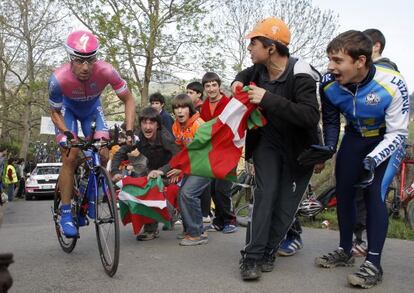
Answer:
(207, 219)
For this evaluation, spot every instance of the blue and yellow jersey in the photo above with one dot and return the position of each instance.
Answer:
(378, 106)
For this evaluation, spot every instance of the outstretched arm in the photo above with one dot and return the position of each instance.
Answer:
(129, 102)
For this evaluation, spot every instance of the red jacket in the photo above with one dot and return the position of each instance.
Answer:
(205, 109)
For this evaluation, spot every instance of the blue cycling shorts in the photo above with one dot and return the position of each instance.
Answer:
(71, 121)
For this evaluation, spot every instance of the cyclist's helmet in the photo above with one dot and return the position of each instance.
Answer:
(82, 44)
(310, 208)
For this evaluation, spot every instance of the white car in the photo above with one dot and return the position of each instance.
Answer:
(42, 180)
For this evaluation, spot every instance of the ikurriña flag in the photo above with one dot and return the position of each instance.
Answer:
(142, 201)
(217, 145)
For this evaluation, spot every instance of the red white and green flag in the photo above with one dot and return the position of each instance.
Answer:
(142, 201)
(217, 145)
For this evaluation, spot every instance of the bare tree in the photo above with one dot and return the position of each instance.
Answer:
(31, 27)
(146, 40)
(311, 29)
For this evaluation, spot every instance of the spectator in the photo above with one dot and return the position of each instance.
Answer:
(285, 90)
(10, 178)
(378, 41)
(214, 104)
(187, 121)
(375, 103)
(157, 145)
(158, 102)
(195, 92)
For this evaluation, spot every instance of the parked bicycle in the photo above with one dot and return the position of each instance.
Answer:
(92, 181)
(242, 194)
(401, 192)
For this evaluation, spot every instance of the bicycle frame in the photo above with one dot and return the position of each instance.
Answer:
(404, 197)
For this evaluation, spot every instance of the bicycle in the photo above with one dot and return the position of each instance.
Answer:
(242, 194)
(91, 180)
(400, 194)
(243, 190)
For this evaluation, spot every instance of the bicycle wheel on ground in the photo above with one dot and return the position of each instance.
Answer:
(242, 214)
(409, 213)
(107, 223)
(67, 244)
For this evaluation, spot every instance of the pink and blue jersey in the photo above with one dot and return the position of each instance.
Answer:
(80, 100)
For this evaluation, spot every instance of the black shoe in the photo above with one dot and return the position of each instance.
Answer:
(335, 259)
(250, 269)
(367, 276)
(268, 262)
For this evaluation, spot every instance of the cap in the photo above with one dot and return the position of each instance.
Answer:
(272, 28)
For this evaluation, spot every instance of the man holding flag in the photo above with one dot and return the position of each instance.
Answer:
(286, 94)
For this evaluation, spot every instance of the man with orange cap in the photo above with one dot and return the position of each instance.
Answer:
(285, 91)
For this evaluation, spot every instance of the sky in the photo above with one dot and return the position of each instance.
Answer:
(395, 19)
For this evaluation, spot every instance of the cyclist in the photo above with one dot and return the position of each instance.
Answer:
(375, 103)
(74, 95)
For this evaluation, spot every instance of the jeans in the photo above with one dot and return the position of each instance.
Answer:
(10, 191)
(190, 205)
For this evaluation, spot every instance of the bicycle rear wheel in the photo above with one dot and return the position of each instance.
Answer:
(67, 244)
(409, 213)
(107, 223)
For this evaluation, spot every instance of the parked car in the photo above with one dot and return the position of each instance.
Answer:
(42, 181)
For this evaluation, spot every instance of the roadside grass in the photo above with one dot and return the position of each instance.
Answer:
(397, 227)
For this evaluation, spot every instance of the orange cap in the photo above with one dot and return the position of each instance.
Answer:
(272, 28)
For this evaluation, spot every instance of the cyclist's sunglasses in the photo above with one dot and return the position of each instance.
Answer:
(79, 60)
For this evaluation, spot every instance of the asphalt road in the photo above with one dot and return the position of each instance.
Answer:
(162, 265)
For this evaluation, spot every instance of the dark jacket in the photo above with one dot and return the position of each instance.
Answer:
(166, 120)
(385, 62)
(158, 153)
(290, 107)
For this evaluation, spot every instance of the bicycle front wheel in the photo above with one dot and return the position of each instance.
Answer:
(67, 244)
(243, 214)
(107, 223)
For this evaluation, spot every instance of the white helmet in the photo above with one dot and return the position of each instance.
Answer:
(310, 208)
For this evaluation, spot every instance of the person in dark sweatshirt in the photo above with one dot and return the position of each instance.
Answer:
(285, 91)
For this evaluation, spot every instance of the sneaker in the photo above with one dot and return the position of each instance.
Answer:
(290, 245)
(146, 236)
(193, 241)
(212, 228)
(183, 234)
(268, 262)
(335, 259)
(250, 269)
(91, 209)
(207, 219)
(367, 276)
(67, 225)
(229, 229)
(359, 248)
